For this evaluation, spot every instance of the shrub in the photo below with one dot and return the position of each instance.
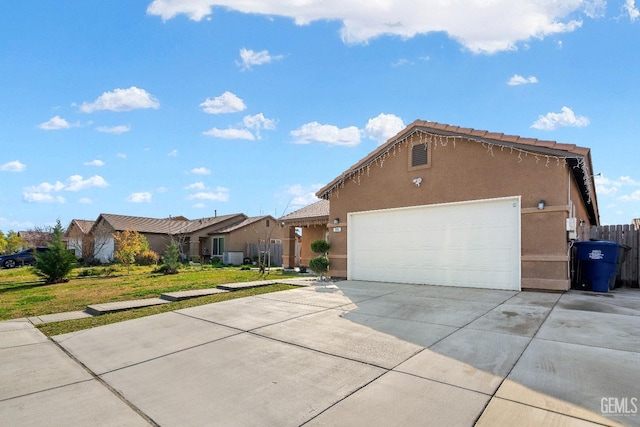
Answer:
(170, 261)
(320, 265)
(56, 263)
(320, 246)
(147, 257)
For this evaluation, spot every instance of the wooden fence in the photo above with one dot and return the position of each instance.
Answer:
(627, 236)
(276, 252)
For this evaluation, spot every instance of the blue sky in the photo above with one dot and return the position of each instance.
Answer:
(167, 107)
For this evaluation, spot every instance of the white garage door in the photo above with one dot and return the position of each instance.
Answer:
(471, 244)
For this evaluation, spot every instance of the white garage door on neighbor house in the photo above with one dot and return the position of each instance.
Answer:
(469, 244)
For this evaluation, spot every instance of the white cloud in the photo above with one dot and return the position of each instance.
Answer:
(383, 127)
(228, 102)
(56, 123)
(221, 194)
(116, 130)
(14, 166)
(77, 183)
(606, 186)
(517, 80)
(254, 123)
(195, 186)
(121, 155)
(85, 201)
(129, 99)
(329, 134)
(632, 197)
(632, 10)
(96, 162)
(42, 192)
(302, 195)
(141, 197)
(173, 153)
(627, 180)
(259, 121)
(595, 8)
(201, 171)
(230, 133)
(249, 58)
(611, 187)
(480, 26)
(401, 62)
(41, 198)
(553, 121)
(199, 206)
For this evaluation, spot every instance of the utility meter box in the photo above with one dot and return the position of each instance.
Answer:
(572, 228)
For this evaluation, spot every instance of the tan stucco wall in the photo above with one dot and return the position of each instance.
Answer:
(237, 240)
(470, 171)
(309, 234)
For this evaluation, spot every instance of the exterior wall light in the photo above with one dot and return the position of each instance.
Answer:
(541, 204)
(336, 220)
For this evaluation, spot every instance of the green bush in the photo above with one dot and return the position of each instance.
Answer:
(56, 263)
(320, 246)
(320, 265)
(170, 262)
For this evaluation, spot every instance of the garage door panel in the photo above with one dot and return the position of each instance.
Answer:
(472, 244)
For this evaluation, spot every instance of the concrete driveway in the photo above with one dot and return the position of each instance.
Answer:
(354, 353)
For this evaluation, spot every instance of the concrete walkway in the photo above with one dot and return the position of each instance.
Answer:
(355, 353)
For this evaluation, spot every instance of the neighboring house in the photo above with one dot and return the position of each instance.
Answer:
(78, 238)
(445, 205)
(35, 238)
(312, 221)
(245, 240)
(200, 238)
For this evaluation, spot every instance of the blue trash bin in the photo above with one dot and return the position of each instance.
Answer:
(597, 262)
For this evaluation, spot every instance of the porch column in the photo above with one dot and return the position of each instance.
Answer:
(289, 247)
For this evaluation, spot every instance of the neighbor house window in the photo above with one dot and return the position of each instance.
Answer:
(420, 156)
(218, 246)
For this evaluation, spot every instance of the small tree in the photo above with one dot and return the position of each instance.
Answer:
(129, 243)
(56, 263)
(320, 264)
(14, 242)
(170, 261)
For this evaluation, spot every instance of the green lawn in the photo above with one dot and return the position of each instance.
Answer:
(24, 294)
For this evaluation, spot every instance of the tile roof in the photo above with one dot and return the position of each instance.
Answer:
(163, 225)
(315, 211)
(83, 224)
(246, 222)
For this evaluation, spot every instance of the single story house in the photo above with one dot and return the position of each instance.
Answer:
(78, 238)
(312, 220)
(444, 205)
(201, 238)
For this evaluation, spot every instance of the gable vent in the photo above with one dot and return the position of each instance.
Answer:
(419, 155)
